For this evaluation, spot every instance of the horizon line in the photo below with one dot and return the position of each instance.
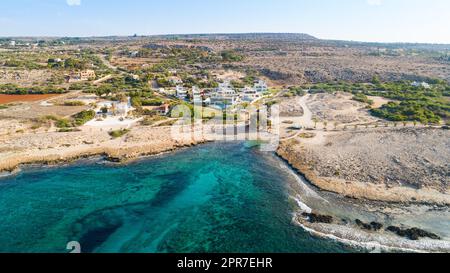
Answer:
(219, 33)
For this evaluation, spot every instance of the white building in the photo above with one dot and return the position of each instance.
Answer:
(224, 95)
(207, 101)
(115, 108)
(181, 92)
(261, 86)
(249, 94)
(421, 84)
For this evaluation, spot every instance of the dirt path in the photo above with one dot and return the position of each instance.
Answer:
(106, 62)
(306, 119)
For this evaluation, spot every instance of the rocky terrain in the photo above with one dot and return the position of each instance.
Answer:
(405, 165)
(339, 108)
(24, 78)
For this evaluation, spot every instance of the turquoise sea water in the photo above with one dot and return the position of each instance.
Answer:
(211, 198)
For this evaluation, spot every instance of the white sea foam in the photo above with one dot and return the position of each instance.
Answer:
(303, 206)
(377, 243)
(306, 189)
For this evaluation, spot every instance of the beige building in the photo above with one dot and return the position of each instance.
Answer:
(85, 75)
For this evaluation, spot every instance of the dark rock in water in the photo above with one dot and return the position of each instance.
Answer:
(372, 226)
(317, 218)
(413, 233)
(114, 159)
(376, 226)
(363, 225)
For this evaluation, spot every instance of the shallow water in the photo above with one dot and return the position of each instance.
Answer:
(226, 197)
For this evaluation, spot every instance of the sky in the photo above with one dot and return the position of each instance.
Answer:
(425, 21)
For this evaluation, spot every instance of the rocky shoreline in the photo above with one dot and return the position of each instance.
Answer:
(372, 242)
(119, 156)
(309, 161)
(371, 225)
(59, 148)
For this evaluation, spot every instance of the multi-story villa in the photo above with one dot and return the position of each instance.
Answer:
(261, 86)
(224, 95)
(81, 76)
(249, 94)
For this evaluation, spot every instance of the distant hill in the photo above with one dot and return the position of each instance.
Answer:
(242, 36)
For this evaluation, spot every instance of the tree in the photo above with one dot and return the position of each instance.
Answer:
(376, 80)
(315, 120)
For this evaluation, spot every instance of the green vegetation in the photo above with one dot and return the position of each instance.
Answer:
(13, 89)
(63, 123)
(26, 64)
(118, 133)
(362, 98)
(74, 103)
(76, 120)
(176, 58)
(152, 102)
(67, 130)
(149, 121)
(414, 103)
(85, 59)
(294, 91)
(269, 104)
(83, 117)
(167, 123)
(231, 56)
(115, 86)
(72, 63)
(3, 106)
(422, 111)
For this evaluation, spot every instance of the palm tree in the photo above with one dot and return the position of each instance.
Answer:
(113, 109)
(335, 125)
(325, 125)
(415, 123)
(405, 123)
